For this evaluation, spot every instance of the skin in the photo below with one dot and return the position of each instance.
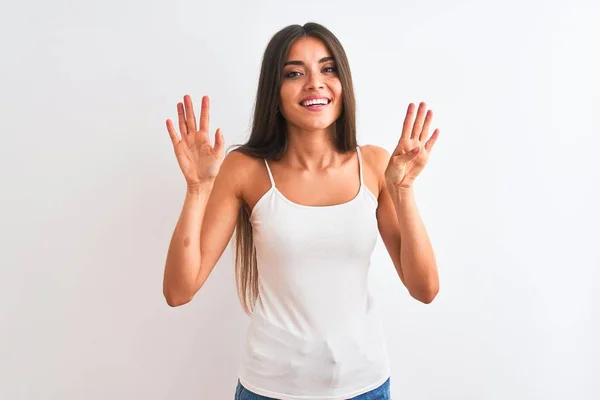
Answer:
(311, 172)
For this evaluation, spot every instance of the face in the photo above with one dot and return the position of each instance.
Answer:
(311, 91)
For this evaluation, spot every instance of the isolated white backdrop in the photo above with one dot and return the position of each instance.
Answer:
(90, 191)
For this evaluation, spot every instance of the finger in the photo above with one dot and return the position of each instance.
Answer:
(425, 131)
(219, 142)
(181, 117)
(172, 133)
(190, 117)
(418, 125)
(408, 156)
(413, 153)
(205, 114)
(429, 144)
(408, 120)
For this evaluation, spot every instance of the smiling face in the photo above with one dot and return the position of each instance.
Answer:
(311, 91)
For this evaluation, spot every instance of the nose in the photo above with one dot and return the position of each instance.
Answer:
(314, 82)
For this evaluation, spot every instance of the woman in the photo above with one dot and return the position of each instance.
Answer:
(308, 204)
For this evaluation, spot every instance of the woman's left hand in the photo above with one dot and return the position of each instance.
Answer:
(413, 149)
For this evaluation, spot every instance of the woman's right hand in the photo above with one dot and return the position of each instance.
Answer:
(198, 159)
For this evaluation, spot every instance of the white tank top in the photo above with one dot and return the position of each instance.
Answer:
(315, 332)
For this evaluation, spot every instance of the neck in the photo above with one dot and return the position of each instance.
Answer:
(311, 149)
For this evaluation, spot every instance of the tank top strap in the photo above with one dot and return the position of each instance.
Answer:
(270, 174)
(360, 166)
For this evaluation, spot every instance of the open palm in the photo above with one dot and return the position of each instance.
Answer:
(198, 159)
(412, 152)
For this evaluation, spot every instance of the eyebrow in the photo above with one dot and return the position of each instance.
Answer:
(296, 62)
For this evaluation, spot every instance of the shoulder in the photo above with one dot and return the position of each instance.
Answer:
(238, 168)
(238, 160)
(375, 161)
(375, 158)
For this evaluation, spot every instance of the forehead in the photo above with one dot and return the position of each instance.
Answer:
(308, 49)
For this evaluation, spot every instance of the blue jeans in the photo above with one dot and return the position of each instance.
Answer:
(380, 393)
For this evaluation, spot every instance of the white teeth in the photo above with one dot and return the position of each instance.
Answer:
(314, 102)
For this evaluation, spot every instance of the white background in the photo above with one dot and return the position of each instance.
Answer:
(91, 191)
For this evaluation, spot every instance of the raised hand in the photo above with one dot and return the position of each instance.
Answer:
(198, 159)
(412, 152)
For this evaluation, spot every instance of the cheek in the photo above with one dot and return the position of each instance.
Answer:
(336, 88)
(287, 96)
(337, 93)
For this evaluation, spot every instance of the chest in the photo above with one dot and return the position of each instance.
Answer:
(285, 229)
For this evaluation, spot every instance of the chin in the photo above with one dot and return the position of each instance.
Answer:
(312, 123)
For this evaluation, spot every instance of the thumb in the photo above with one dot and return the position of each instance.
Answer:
(406, 157)
(219, 141)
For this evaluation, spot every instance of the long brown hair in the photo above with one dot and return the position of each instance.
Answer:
(268, 137)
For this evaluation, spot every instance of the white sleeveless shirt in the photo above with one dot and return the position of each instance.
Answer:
(315, 332)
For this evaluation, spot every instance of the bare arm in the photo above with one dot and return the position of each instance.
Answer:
(210, 208)
(202, 233)
(183, 257)
(416, 253)
(405, 237)
(403, 230)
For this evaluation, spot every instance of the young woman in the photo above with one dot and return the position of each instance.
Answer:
(306, 203)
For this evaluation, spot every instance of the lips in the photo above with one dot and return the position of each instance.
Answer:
(315, 101)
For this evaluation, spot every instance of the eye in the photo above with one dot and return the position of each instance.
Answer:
(291, 74)
(331, 69)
